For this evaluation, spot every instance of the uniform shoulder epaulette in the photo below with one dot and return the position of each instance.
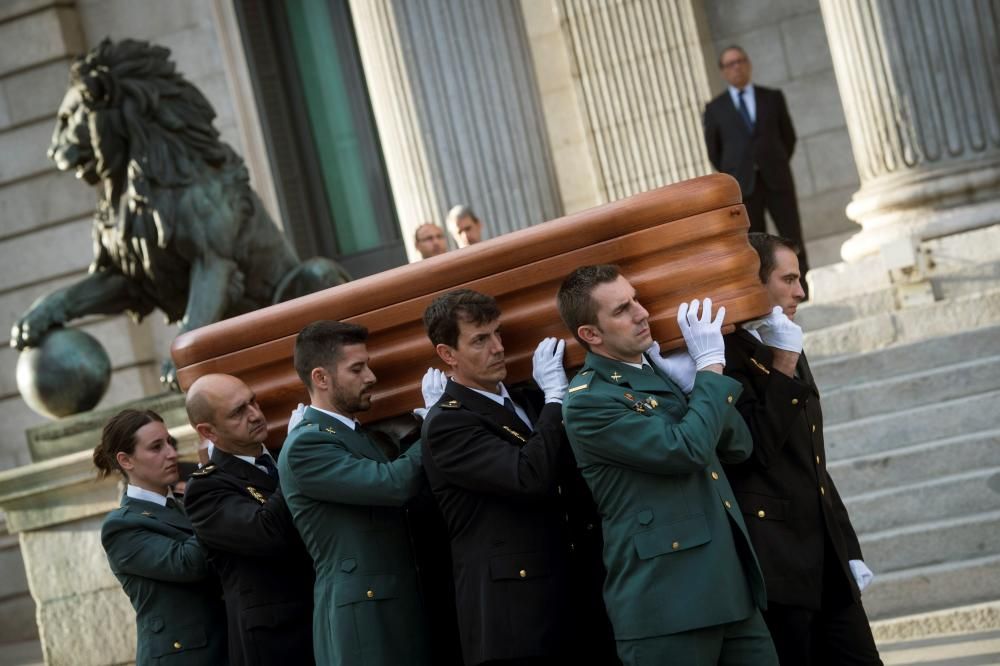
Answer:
(206, 470)
(450, 404)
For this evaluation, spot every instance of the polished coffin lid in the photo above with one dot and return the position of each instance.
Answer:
(674, 243)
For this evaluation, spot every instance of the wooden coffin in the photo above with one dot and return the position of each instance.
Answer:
(674, 243)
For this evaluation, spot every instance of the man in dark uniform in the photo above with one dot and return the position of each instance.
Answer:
(749, 135)
(506, 482)
(804, 540)
(650, 434)
(239, 514)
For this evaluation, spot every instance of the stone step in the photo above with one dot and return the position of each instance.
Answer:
(833, 372)
(919, 462)
(968, 619)
(891, 327)
(933, 542)
(933, 587)
(950, 496)
(885, 432)
(893, 393)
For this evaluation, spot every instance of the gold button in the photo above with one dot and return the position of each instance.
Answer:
(572, 547)
(559, 490)
(728, 505)
(590, 526)
(822, 490)
(715, 476)
(817, 460)
(814, 427)
(729, 399)
(761, 514)
(522, 573)
(675, 545)
(795, 401)
(371, 594)
(177, 645)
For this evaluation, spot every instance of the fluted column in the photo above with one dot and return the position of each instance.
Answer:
(920, 83)
(456, 104)
(643, 81)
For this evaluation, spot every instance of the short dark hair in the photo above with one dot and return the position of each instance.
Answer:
(318, 345)
(442, 316)
(576, 304)
(731, 47)
(765, 245)
(118, 436)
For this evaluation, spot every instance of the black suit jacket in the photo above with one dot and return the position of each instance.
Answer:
(791, 505)
(735, 149)
(240, 515)
(525, 536)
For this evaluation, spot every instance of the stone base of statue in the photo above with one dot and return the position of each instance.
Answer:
(55, 506)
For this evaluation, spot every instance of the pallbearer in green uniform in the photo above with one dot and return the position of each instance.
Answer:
(650, 435)
(152, 549)
(346, 499)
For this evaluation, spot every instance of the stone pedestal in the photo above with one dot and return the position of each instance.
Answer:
(919, 84)
(456, 104)
(56, 508)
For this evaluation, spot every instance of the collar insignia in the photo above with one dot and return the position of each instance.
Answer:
(330, 430)
(615, 376)
(516, 434)
(146, 513)
(256, 494)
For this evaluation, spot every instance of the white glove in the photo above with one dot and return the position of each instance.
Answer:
(547, 369)
(432, 386)
(863, 576)
(678, 365)
(296, 416)
(702, 335)
(778, 331)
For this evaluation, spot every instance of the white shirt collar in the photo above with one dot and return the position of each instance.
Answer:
(135, 492)
(253, 459)
(639, 366)
(349, 422)
(499, 399)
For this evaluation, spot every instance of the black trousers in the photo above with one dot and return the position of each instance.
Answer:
(836, 635)
(784, 209)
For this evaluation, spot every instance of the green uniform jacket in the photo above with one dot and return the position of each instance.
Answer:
(346, 499)
(675, 546)
(180, 617)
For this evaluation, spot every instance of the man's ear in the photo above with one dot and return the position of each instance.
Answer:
(590, 334)
(206, 431)
(320, 378)
(446, 353)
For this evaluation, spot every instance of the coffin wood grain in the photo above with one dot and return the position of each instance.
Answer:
(674, 243)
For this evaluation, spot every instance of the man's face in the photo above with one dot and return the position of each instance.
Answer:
(736, 68)
(239, 425)
(468, 231)
(430, 241)
(153, 462)
(478, 360)
(351, 381)
(622, 323)
(783, 284)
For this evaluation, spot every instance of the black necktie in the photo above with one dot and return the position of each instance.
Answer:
(267, 463)
(742, 108)
(173, 504)
(509, 404)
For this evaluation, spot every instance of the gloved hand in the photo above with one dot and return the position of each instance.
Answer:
(702, 335)
(432, 386)
(296, 416)
(778, 331)
(863, 576)
(678, 365)
(547, 369)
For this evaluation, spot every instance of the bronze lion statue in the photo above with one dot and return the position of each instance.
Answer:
(177, 225)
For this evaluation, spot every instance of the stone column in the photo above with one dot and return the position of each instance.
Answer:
(642, 77)
(920, 83)
(456, 104)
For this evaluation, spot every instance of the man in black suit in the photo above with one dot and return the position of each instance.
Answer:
(525, 536)
(749, 135)
(799, 527)
(239, 514)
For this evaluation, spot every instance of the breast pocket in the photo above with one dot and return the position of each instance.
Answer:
(179, 640)
(672, 538)
(762, 507)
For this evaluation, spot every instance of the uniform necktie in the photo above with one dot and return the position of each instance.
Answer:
(509, 404)
(174, 504)
(267, 463)
(742, 108)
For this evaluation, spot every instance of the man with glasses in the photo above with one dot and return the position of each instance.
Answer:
(749, 135)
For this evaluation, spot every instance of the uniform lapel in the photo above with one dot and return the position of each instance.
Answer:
(624, 375)
(357, 442)
(250, 474)
(152, 510)
(487, 408)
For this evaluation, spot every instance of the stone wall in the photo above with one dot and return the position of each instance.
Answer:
(787, 43)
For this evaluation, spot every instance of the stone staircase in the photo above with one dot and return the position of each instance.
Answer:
(912, 425)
